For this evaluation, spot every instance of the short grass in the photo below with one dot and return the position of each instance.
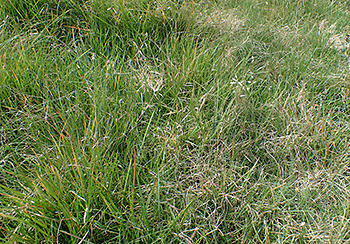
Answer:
(174, 121)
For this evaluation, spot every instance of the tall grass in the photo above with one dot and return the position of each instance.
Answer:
(174, 121)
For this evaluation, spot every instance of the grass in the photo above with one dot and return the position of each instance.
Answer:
(174, 121)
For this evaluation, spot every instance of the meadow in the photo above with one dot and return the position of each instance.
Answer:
(169, 121)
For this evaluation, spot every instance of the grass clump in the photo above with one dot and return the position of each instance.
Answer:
(174, 122)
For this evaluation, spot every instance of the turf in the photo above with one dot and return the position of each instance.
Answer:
(174, 121)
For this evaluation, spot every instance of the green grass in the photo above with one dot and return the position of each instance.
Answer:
(174, 121)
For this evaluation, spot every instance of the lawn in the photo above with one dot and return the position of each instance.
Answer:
(168, 121)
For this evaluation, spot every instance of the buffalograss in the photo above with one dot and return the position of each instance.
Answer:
(174, 121)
